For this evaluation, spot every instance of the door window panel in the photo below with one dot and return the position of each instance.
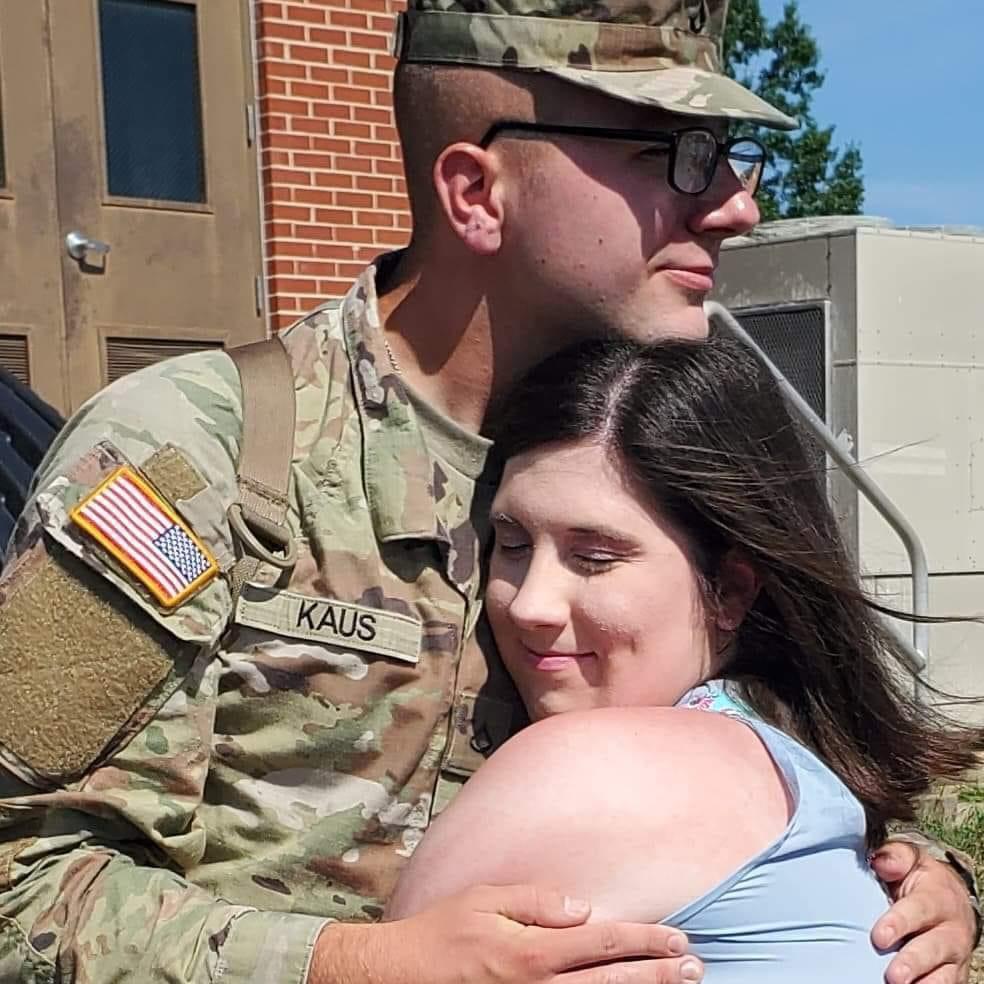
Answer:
(152, 100)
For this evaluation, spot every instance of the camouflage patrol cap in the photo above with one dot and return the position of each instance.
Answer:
(660, 53)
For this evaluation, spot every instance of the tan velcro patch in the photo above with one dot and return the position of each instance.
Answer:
(172, 474)
(75, 665)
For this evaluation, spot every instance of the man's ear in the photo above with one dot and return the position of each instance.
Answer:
(468, 183)
(738, 585)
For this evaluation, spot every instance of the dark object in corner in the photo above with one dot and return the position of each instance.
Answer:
(28, 425)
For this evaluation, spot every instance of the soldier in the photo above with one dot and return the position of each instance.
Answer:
(230, 703)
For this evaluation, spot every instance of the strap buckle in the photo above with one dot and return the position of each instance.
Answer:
(249, 526)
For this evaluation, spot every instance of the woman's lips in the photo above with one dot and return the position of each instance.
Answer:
(692, 278)
(551, 662)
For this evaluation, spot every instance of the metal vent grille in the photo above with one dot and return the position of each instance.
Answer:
(795, 339)
(126, 355)
(14, 357)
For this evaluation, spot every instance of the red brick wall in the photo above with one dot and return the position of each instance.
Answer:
(333, 187)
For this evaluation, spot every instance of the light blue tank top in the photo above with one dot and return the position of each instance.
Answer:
(802, 910)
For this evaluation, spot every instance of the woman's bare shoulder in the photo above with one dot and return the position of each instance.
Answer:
(616, 803)
(626, 741)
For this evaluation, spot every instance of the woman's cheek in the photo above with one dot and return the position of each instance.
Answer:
(498, 596)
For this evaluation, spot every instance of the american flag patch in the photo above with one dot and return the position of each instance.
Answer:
(130, 520)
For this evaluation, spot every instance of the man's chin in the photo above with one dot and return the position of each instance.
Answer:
(684, 319)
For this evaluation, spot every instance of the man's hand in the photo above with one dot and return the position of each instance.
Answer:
(502, 935)
(932, 907)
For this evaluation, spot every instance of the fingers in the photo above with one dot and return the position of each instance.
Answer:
(936, 956)
(681, 970)
(894, 861)
(908, 969)
(593, 953)
(914, 913)
(609, 942)
(533, 906)
(949, 974)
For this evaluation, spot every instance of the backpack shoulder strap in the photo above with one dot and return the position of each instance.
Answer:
(258, 516)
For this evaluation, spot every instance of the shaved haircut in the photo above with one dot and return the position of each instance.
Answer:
(439, 105)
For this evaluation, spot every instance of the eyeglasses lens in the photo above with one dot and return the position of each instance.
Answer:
(696, 159)
(747, 161)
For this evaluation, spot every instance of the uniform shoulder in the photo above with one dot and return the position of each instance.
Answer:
(173, 429)
(193, 402)
(323, 384)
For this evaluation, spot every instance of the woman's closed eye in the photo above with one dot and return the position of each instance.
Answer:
(594, 562)
(597, 551)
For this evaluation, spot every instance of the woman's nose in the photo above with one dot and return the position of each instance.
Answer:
(540, 601)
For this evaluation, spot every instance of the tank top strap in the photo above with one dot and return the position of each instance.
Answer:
(722, 696)
(758, 924)
(822, 805)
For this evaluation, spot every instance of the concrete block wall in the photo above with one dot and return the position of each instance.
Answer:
(332, 178)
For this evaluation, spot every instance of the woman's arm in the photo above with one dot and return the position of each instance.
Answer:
(639, 810)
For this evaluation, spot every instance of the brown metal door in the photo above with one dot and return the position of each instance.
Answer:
(155, 180)
(32, 337)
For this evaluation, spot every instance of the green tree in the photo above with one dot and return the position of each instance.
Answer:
(808, 174)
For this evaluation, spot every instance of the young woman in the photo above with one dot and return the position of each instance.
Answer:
(663, 549)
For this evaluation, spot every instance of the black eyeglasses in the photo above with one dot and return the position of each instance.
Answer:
(694, 153)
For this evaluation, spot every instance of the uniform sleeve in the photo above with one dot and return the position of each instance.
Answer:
(178, 425)
(92, 887)
(107, 706)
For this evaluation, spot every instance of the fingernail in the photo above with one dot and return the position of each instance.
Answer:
(576, 907)
(690, 970)
(885, 936)
(677, 944)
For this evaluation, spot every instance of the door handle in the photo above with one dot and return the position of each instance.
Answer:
(79, 246)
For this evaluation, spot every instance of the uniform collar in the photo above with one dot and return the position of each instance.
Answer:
(400, 478)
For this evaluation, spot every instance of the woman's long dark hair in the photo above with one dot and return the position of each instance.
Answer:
(703, 428)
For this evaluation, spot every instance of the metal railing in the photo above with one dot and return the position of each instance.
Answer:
(916, 651)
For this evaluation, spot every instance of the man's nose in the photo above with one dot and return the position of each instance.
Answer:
(726, 209)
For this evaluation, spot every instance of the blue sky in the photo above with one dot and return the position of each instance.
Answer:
(905, 80)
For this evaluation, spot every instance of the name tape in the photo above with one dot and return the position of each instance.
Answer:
(341, 623)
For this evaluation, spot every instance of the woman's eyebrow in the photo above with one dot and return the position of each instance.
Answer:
(609, 534)
(605, 533)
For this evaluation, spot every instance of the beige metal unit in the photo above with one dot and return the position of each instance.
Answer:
(884, 328)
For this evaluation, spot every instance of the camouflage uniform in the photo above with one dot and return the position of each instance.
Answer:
(188, 793)
(253, 771)
(665, 54)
